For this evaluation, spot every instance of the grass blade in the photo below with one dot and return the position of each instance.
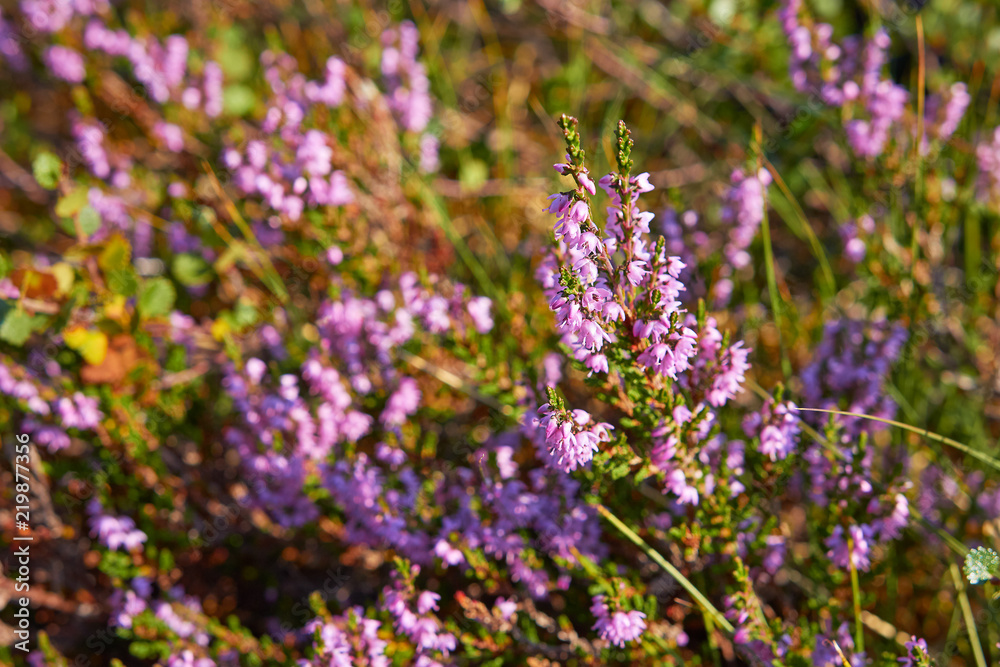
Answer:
(985, 458)
(970, 620)
(702, 601)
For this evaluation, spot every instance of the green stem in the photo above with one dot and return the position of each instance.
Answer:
(985, 458)
(859, 626)
(706, 606)
(918, 184)
(829, 282)
(772, 289)
(970, 620)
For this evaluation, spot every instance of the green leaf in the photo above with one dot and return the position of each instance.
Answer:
(47, 169)
(473, 174)
(89, 219)
(234, 57)
(619, 470)
(238, 100)
(123, 281)
(116, 255)
(245, 315)
(157, 298)
(71, 204)
(191, 270)
(16, 327)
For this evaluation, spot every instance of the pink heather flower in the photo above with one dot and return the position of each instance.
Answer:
(128, 607)
(592, 335)
(51, 437)
(403, 403)
(916, 653)
(65, 64)
(637, 272)
(943, 119)
(841, 555)
(619, 627)
(340, 193)
(886, 105)
(427, 601)
(777, 426)
(570, 441)
(314, 154)
(449, 554)
(255, 369)
(728, 382)
(10, 47)
(744, 210)
(988, 158)
(114, 532)
(171, 135)
(90, 142)
(506, 607)
(187, 659)
(642, 184)
(775, 556)
(8, 289)
(676, 483)
(891, 526)
(212, 89)
(334, 255)
(429, 145)
(79, 412)
(479, 310)
(407, 85)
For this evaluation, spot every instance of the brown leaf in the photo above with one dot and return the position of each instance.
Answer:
(34, 284)
(123, 353)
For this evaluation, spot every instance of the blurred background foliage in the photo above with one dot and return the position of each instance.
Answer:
(694, 80)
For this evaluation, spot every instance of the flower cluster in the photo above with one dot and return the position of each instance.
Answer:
(571, 437)
(849, 76)
(249, 342)
(777, 426)
(743, 213)
(114, 531)
(618, 627)
(348, 639)
(849, 371)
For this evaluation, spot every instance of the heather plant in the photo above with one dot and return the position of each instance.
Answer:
(309, 374)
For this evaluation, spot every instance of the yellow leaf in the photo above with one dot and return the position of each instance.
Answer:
(92, 345)
(115, 309)
(65, 276)
(220, 329)
(116, 255)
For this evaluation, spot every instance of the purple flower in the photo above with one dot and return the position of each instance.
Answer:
(479, 310)
(571, 438)
(842, 554)
(744, 210)
(943, 116)
(507, 608)
(916, 653)
(988, 157)
(403, 403)
(619, 627)
(429, 153)
(187, 659)
(171, 135)
(776, 425)
(114, 532)
(65, 64)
